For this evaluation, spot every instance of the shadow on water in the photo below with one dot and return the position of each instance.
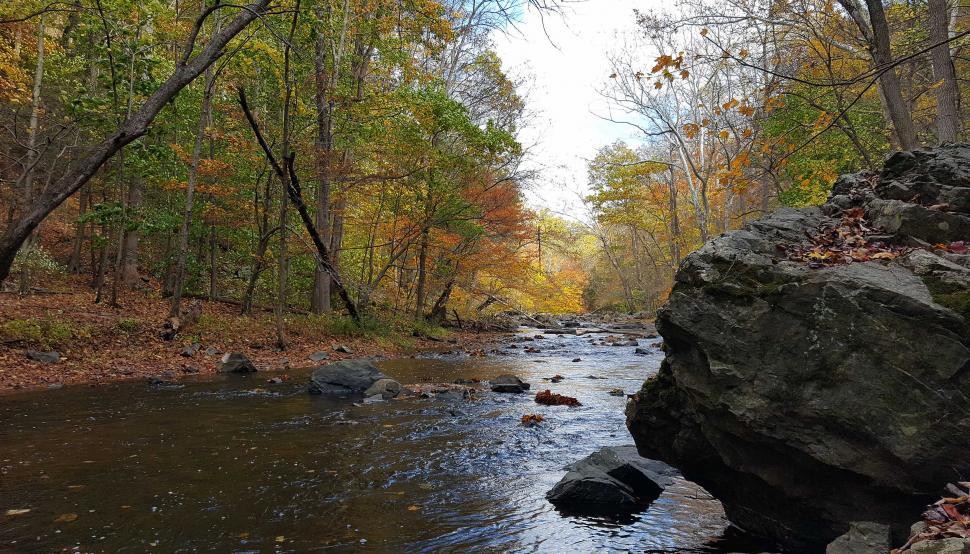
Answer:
(239, 465)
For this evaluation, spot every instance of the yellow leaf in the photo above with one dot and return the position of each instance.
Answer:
(64, 518)
(413, 508)
(16, 511)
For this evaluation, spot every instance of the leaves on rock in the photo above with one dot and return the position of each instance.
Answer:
(531, 420)
(946, 518)
(550, 398)
(850, 240)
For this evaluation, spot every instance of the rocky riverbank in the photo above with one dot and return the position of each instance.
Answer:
(818, 361)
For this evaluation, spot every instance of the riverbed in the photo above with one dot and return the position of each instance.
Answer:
(235, 464)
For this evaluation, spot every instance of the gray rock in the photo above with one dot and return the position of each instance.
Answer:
(863, 537)
(951, 545)
(508, 383)
(617, 392)
(342, 348)
(641, 351)
(612, 480)
(385, 388)
(236, 362)
(212, 351)
(51, 357)
(345, 377)
(190, 350)
(805, 399)
(319, 356)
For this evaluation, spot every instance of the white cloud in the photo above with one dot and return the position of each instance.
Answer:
(567, 59)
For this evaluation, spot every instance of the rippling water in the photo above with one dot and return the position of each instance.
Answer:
(238, 465)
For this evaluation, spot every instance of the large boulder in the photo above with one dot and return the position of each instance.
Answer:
(613, 479)
(346, 377)
(807, 395)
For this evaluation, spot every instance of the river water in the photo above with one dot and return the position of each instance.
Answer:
(233, 464)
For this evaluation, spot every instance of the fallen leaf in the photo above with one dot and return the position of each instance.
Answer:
(413, 508)
(64, 518)
(16, 511)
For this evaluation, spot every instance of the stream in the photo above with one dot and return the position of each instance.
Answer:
(233, 464)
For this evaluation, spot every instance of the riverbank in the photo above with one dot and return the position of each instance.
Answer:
(100, 343)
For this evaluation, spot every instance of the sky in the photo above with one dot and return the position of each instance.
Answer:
(563, 59)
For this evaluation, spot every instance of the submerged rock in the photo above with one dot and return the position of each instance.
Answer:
(806, 396)
(508, 383)
(236, 362)
(346, 377)
(612, 480)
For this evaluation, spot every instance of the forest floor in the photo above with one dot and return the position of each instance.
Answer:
(100, 343)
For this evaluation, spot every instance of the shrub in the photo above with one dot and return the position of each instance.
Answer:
(129, 325)
(42, 333)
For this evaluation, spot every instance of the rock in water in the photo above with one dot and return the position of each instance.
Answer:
(806, 396)
(612, 480)
(508, 383)
(385, 388)
(346, 377)
(236, 362)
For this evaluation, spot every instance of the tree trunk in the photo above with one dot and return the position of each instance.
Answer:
(129, 261)
(133, 128)
(320, 299)
(944, 73)
(674, 220)
(213, 263)
(876, 33)
(28, 182)
(80, 228)
(205, 114)
(422, 273)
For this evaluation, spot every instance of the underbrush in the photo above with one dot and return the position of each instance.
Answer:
(42, 332)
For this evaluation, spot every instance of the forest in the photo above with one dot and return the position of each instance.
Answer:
(128, 159)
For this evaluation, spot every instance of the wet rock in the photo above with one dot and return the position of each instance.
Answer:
(863, 537)
(385, 388)
(556, 378)
(806, 398)
(577, 359)
(612, 480)
(318, 357)
(236, 362)
(594, 377)
(51, 357)
(163, 378)
(641, 351)
(343, 349)
(508, 383)
(345, 377)
(190, 350)
(617, 392)
(629, 343)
